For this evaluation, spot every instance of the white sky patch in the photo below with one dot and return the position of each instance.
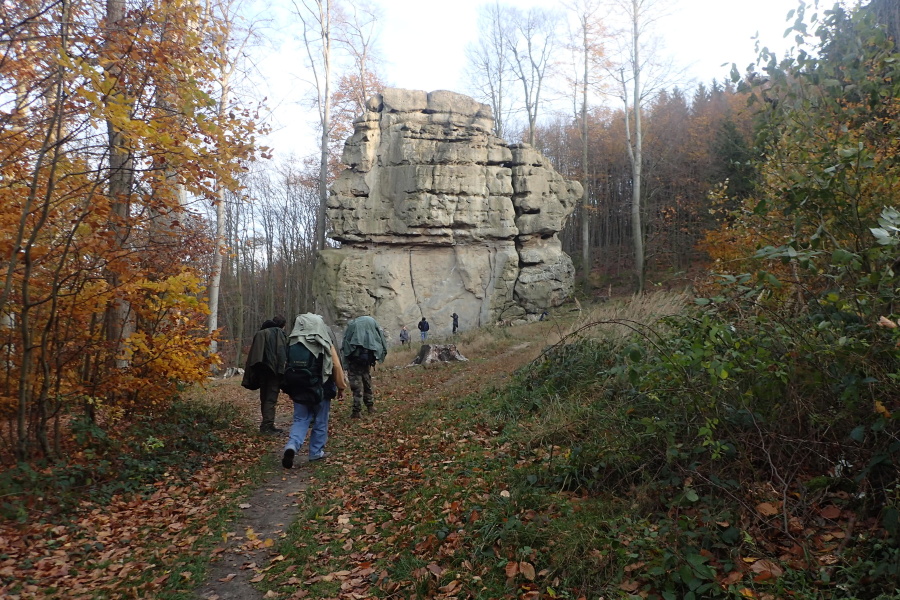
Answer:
(423, 43)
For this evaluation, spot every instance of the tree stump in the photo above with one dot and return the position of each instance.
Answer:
(437, 353)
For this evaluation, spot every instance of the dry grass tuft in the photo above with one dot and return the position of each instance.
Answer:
(643, 310)
(490, 341)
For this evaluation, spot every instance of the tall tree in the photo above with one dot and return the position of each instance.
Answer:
(317, 18)
(357, 35)
(79, 201)
(639, 77)
(587, 41)
(121, 164)
(489, 66)
(829, 127)
(532, 41)
(228, 44)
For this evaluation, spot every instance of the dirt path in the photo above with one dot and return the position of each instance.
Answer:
(249, 551)
(265, 515)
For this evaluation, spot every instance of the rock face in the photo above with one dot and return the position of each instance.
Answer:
(437, 215)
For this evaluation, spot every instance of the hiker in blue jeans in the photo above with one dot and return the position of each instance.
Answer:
(313, 388)
(423, 329)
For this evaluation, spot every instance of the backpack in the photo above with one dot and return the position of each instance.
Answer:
(302, 379)
(362, 356)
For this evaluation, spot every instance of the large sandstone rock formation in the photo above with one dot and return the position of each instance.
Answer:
(437, 215)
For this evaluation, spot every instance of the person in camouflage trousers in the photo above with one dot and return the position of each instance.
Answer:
(360, 377)
(363, 346)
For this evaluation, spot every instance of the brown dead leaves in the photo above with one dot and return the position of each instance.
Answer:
(523, 568)
(390, 499)
(123, 549)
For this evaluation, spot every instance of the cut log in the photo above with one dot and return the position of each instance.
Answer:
(429, 353)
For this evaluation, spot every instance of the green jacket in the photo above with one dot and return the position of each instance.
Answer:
(268, 351)
(365, 332)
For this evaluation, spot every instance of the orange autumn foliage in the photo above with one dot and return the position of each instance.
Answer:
(109, 134)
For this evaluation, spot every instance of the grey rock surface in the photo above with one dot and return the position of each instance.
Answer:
(437, 215)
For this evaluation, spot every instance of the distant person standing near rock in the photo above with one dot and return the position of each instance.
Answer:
(264, 368)
(455, 318)
(423, 329)
(404, 335)
(363, 346)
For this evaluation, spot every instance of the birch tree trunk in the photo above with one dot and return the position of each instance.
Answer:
(316, 16)
(121, 178)
(637, 229)
(635, 142)
(585, 199)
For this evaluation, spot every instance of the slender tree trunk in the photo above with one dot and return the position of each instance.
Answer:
(215, 279)
(585, 199)
(637, 230)
(634, 143)
(120, 182)
(239, 318)
(325, 114)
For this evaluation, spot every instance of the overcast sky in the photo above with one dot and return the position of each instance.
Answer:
(424, 40)
(423, 45)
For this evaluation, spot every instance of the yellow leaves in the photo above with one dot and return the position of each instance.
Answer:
(882, 410)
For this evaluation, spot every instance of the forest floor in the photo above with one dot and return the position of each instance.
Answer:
(234, 528)
(358, 452)
(460, 485)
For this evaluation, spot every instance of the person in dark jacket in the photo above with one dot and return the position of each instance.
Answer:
(455, 318)
(362, 347)
(266, 362)
(423, 329)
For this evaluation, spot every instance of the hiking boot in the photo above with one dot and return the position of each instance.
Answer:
(287, 461)
(354, 414)
(370, 409)
(321, 456)
(270, 430)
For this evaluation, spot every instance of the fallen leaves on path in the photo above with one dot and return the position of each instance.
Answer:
(385, 481)
(128, 547)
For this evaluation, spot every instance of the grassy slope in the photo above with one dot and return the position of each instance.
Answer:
(471, 483)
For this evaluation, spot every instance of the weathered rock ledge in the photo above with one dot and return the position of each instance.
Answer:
(436, 215)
